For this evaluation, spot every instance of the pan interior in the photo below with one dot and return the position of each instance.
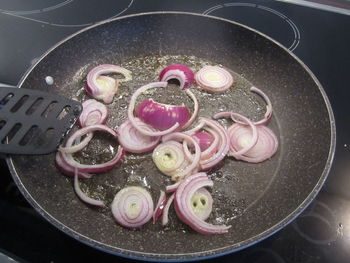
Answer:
(256, 199)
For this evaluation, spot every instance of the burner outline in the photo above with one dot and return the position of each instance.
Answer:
(21, 14)
(36, 11)
(294, 27)
(316, 215)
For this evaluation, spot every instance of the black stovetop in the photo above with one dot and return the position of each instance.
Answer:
(319, 37)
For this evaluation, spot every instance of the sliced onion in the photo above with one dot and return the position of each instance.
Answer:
(180, 72)
(204, 139)
(264, 149)
(249, 143)
(132, 107)
(188, 139)
(169, 159)
(219, 148)
(267, 116)
(103, 87)
(268, 112)
(183, 195)
(132, 207)
(165, 215)
(158, 211)
(162, 116)
(212, 141)
(82, 195)
(92, 168)
(172, 188)
(133, 141)
(195, 109)
(214, 79)
(202, 203)
(68, 169)
(94, 112)
(76, 147)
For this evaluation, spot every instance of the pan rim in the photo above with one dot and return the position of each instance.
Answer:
(195, 255)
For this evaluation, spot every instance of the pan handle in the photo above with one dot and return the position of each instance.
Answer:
(4, 85)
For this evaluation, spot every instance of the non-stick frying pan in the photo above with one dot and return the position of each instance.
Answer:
(256, 199)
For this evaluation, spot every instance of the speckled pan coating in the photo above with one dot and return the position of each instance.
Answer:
(267, 195)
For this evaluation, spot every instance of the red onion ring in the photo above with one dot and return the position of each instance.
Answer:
(133, 141)
(204, 139)
(132, 107)
(265, 147)
(107, 91)
(210, 160)
(180, 72)
(253, 138)
(213, 147)
(233, 152)
(158, 211)
(94, 112)
(268, 112)
(132, 207)
(67, 169)
(162, 116)
(76, 147)
(165, 215)
(82, 195)
(267, 115)
(214, 79)
(172, 188)
(195, 110)
(183, 196)
(195, 161)
(96, 168)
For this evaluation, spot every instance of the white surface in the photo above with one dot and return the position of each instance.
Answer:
(318, 6)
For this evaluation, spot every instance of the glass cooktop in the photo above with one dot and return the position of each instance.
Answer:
(316, 31)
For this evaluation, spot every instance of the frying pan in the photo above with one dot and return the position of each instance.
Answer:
(256, 199)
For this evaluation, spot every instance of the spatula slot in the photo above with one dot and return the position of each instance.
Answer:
(11, 133)
(64, 112)
(6, 99)
(2, 124)
(34, 106)
(30, 134)
(49, 109)
(19, 103)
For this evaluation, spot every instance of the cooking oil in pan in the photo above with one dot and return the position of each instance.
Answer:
(236, 184)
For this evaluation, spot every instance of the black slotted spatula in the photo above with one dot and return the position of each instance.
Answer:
(34, 122)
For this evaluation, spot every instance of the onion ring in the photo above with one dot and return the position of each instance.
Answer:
(158, 210)
(214, 79)
(132, 107)
(180, 72)
(94, 112)
(89, 168)
(82, 195)
(132, 207)
(183, 196)
(133, 141)
(165, 215)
